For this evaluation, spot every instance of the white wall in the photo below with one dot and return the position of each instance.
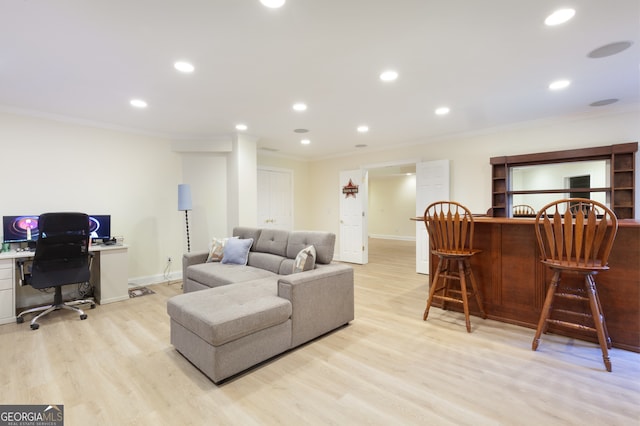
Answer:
(54, 166)
(392, 199)
(242, 177)
(206, 173)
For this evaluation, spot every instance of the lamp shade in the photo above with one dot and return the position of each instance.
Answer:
(184, 197)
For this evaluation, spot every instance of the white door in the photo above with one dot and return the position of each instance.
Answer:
(275, 200)
(353, 221)
(432, 184)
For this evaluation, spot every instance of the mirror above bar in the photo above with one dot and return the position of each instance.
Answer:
(522, 184)
(539, 184)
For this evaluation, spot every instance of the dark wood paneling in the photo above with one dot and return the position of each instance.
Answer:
(513, 281)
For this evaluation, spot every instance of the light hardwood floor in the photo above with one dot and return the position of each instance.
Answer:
(387, 367)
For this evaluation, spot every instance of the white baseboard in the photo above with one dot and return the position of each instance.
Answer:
(393, 237)
(154, 279)
(114, 299)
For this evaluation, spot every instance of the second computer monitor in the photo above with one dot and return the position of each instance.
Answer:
(100, 227)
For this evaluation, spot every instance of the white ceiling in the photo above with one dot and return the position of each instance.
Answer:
(490, 61)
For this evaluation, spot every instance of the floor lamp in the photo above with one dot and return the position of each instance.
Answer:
(184, 204)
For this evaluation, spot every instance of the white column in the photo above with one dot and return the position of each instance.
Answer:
(242, 182)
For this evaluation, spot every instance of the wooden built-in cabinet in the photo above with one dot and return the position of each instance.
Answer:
(499, 189)
(622, 184)
(621, 191)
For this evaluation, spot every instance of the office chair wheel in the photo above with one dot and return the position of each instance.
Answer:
(19, 320)
(83, 316)
(93, 306)
(35, 326)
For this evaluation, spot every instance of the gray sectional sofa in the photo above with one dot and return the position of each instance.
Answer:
(233, 316)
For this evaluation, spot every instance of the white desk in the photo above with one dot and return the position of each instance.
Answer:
(109, 277)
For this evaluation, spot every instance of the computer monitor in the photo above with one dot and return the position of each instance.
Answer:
(19, 229)
(100, 227)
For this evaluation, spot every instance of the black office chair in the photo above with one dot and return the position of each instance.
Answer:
(62, 257)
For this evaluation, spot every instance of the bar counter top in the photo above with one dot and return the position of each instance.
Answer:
(482, 218)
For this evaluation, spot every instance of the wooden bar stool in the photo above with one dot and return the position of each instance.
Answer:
(523, 210)
(450, 228)
(575, 235)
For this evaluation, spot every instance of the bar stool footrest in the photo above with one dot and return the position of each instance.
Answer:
(448, 299)
(571, 325)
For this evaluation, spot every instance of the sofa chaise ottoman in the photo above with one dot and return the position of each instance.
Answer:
(232, 317)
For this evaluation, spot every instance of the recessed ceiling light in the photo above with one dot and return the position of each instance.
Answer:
(388, 75)
(442, 111)
(241, 127)
(559, 17)
(609, 49)
(300, 106)
(138, 103)
(185, 67)
(363, 129)
(305, 141)
(301, 130)
(559, 84)
(604, 102)
(273, 4)
(361, 145)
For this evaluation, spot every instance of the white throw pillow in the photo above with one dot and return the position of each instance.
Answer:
(216, 249)
(305, 260)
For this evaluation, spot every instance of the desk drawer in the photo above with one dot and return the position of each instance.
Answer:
(5, 274)
(7, 308)
(6, 264)
(6, 284)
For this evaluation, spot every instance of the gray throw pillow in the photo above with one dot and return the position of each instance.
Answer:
(236, 251)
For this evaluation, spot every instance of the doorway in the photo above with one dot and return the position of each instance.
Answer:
(275, 198)
(580, 182)
(392, 201)
(431, 183)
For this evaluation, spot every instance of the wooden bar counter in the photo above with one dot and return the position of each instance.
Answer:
(513, 281)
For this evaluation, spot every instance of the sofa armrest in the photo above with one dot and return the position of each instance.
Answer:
(322, 300)
(189, 259)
